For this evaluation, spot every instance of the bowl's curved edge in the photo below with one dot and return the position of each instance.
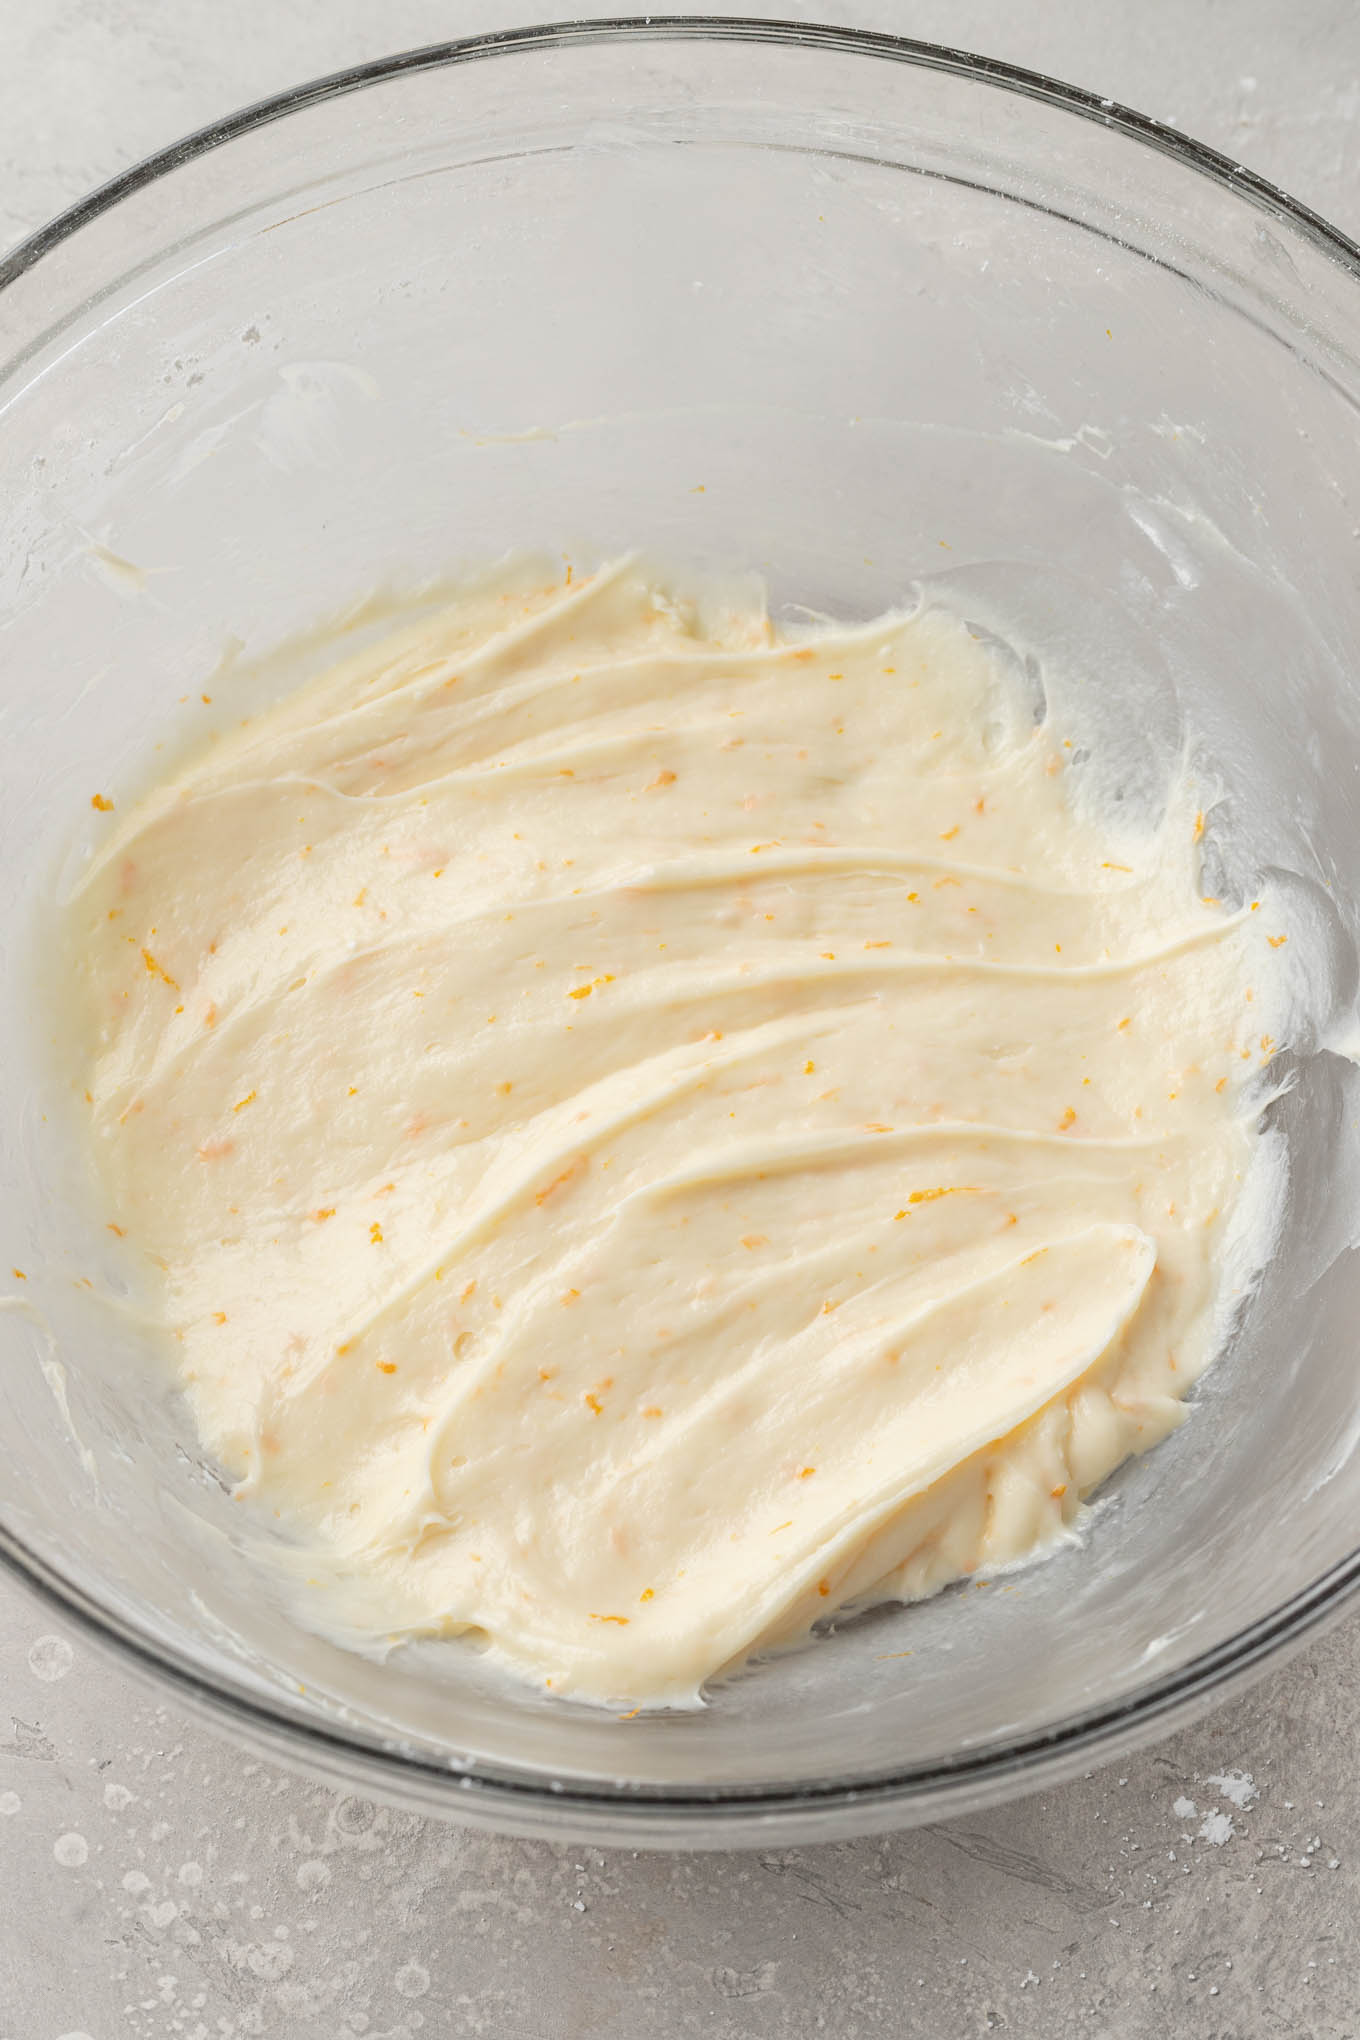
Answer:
(700, 1817)
(1140, 127)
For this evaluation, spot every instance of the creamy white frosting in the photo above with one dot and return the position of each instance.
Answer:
(641, 1133)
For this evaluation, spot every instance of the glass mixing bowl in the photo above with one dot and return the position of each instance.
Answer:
(855, 312)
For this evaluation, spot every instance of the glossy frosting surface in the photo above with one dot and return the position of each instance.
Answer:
(641, 1133)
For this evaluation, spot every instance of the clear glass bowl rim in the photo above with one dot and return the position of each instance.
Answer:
(486, 1790)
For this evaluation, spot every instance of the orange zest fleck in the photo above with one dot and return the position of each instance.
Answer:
(98, 800)
(593, 1404)
(111, 1227)
(375, 1233)
(322, 1213)
(622, 1620)
(1069, 1118)
(1277, 941)
(155, 969)
(647, 1594)
(806, 1472)
(18, 1274)
(241, 1103)
(386, 1366)
(651, 1411)
(570, 1295)
(753, 1240)
(948, 835)
(573, 1169)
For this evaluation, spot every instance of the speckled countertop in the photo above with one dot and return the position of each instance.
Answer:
(154, 1883)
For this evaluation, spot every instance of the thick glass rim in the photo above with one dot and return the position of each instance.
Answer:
(717, 28)
(485, 1786)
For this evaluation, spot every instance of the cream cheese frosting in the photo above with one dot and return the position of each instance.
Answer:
(640, 1132)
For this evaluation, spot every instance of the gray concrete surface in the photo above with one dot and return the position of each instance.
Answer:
(155, 1884)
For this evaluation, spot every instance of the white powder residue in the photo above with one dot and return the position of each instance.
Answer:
(1183, 1808)
(1237, 1787)
(50, 1659)
(1216, 1829)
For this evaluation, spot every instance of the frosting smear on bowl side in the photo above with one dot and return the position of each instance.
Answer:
(640, 1132)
